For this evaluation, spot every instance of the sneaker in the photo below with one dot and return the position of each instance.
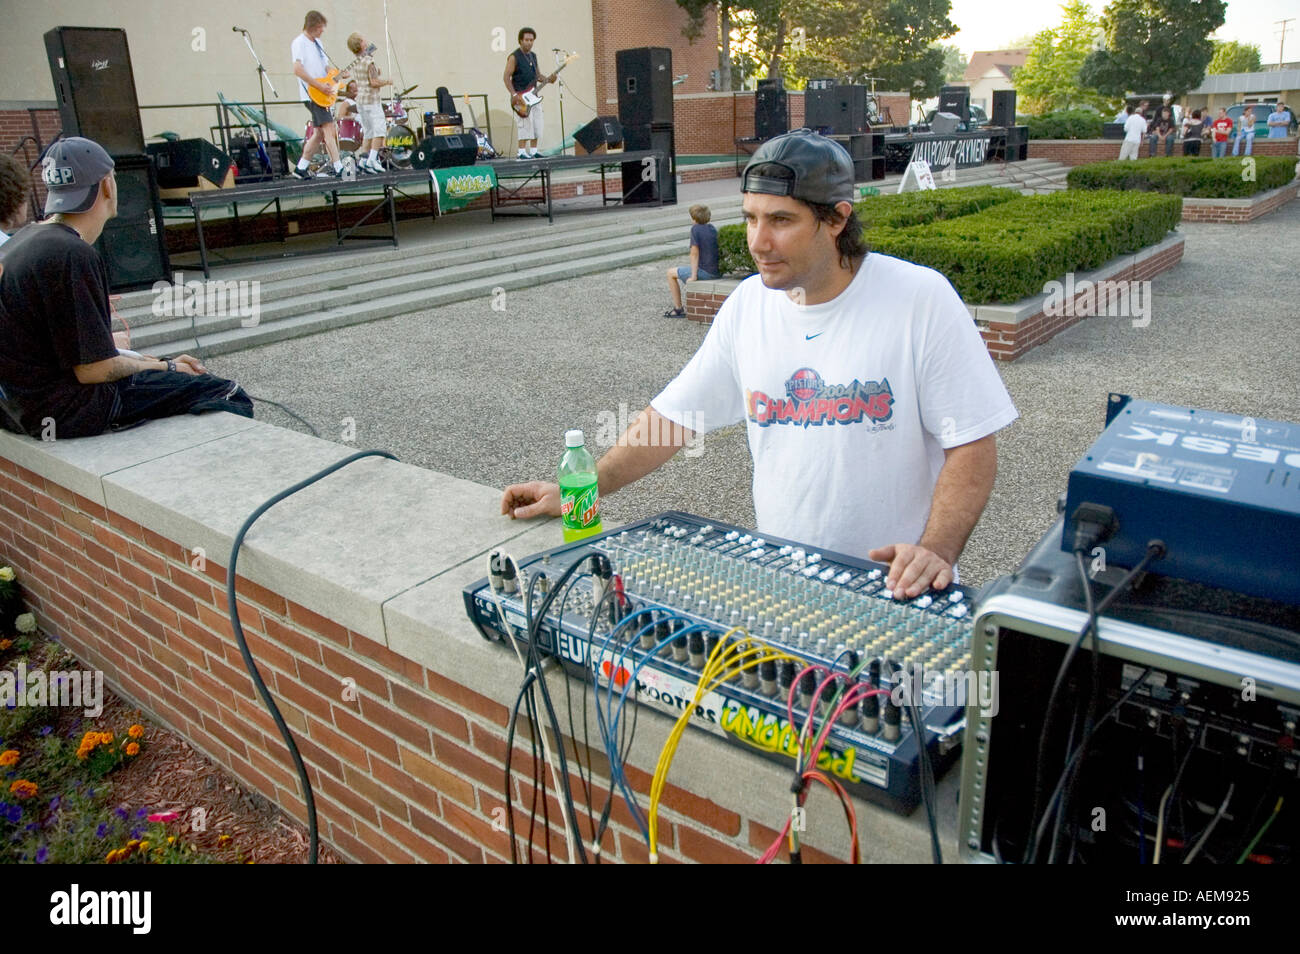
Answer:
(300, 173)
(675, 313)
(376, 166)
(327, 172)
(523, 155)
(535, 155)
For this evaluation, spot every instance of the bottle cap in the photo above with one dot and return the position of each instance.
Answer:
(574, 438)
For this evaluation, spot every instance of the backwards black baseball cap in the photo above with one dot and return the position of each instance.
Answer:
(72, 170)
(814, 168)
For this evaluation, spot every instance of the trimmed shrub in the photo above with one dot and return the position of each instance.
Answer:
(1195, 176)
(1064, 124)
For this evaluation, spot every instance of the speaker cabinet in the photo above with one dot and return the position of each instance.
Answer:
(602, 134)
(645, 85)
(819, 105)
(442, 152)
(1004, 108)
(181, 163)
(771, 112)
(95, 88)
(642, 184)
(851, 110)
(955, 100)
(251, 163)
(134, 245)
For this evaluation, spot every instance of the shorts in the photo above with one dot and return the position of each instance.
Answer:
(684, 272)
(320, 116)
(530, 126)
(374, 125)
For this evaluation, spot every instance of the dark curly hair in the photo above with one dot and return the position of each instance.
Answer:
(14, 186)
(851, 243)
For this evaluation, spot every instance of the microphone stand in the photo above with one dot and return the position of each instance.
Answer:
(263, 81)
(560, 83)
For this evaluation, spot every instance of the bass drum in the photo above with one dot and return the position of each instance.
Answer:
(400, 142)
(349, 135)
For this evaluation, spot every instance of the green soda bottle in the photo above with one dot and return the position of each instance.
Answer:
(579, 499)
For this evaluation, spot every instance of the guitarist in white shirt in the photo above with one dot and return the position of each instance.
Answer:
(309, 63)
(523, 75)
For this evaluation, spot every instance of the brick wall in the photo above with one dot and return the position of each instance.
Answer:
(622, 25)
(1076, 152)
(1207, 210)
(408, 770)
(15, 124)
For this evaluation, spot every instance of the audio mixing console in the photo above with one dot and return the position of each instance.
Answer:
(681, 574)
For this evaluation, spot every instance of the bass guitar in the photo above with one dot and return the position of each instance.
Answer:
(523, 101)
(485, 148)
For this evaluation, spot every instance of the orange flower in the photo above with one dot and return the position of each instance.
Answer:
(132, 749)
(5, 644)
(23, 788)
(9, 757)
(136, 731)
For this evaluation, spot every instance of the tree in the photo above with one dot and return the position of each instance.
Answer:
(954, 62)
(1049, 80)
(1233, 57)
(694, 29)
(1154, 46)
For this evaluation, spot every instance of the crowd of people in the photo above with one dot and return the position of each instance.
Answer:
(1165, 127)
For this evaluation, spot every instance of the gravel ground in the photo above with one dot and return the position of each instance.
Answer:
(486, 395)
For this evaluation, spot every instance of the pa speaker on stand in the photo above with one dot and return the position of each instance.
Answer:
(134, 244)
(95, 88)
(645, 85)
(645, 181)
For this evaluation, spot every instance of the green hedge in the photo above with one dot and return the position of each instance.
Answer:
(1004, 247)
(1064, 124)
(1196, 176)
(1010, 251)
(894, 210)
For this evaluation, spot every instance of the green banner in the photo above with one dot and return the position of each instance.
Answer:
(458, 186)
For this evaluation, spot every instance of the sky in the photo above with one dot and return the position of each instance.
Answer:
(991, 24)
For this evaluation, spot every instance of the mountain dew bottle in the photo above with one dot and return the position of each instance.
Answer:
(579, 499)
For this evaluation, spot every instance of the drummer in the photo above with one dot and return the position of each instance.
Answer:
(374, 126)
(347, 103)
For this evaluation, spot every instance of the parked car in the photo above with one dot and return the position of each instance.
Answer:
(1261, 117)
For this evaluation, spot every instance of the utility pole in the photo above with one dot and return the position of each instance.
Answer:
(1282, 43)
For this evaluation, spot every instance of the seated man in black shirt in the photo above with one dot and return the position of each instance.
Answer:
(61, 374)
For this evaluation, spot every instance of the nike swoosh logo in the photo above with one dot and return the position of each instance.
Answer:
(811, 337)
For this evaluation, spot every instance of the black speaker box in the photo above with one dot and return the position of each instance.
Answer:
(636, 188)
(1004, 108)
(819, 105)
(441, 152)
(603, 132)
(180, 163)
(771, 112)
(955, 100)
(95, 88)
(250, 166)
(645, 85)
(850, 110)
(133, 245)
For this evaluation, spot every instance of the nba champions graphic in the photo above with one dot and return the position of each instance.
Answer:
(809, 400)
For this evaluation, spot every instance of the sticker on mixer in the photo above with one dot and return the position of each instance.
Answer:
(1207, 478)
(1140, 464)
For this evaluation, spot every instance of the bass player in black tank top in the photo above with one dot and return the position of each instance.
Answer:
(522, 75)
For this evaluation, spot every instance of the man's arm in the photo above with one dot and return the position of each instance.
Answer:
(123, 366)
(960, 495)
(300, 71)
(510, 70)
(646, 445)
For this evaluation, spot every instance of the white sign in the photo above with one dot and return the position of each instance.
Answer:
(918, 176)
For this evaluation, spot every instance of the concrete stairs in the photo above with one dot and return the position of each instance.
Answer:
(319, 293)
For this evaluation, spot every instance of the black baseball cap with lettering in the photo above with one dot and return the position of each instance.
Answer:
(72, 170)
(814, 168)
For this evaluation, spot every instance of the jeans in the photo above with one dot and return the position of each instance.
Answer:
(1151, 145)
(1250, 141)
(1219, 149)
(148, 395)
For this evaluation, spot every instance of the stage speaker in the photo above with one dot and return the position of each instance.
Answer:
(944, 123)
(251, 163)
(851, 110)
(180, 163)
(641, 183)
(602, 134)
(95, 88)
(441, 152)
(955, 100)
(1004, 108)
(771, 111)
(819, 105)
(133, 245)
(645, 85)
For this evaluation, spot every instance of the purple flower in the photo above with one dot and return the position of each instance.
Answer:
(32, 827)
(120, 812)
(13, 813)
(54, 803)
(46, 729)
(90, 793)
(137, 832)
(41, 854)
(102, 830)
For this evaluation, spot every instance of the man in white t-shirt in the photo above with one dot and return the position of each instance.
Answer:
(1135, 127)
(310, 64)
(869, 397)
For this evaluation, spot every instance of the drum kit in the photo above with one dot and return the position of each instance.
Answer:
(399, 139)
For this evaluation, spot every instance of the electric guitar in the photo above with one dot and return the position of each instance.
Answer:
(523, 101)
(485, 148)
(329, 99)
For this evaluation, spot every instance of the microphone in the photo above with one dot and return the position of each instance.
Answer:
(238, 29)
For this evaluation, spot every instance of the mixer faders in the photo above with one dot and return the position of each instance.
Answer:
(678, 573)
